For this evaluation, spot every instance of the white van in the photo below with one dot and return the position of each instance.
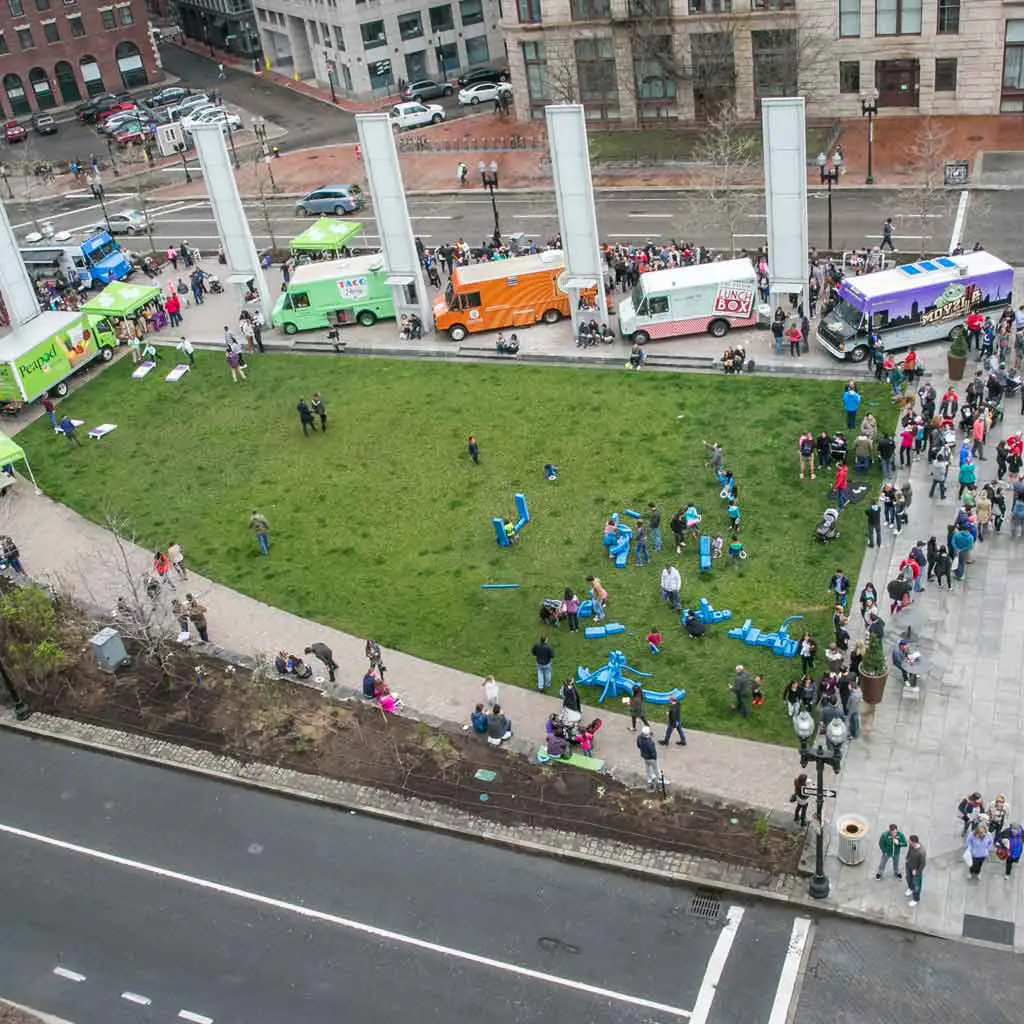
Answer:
(712, 297)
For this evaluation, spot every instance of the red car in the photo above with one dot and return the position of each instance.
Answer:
(113, 109)
(14, 132)
(131, 135)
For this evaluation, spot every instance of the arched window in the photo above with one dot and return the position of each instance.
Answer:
(16, 95)
(41, 89)
(66, 82)
(91, 75)
(129, 63)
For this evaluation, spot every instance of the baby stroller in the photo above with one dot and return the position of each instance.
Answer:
(828, 528)
(550, 611)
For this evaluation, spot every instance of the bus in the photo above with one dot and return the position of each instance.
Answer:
(334, 292)
(913, 304)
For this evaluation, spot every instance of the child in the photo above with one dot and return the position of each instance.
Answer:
(734, 515)
(571, 606)
(736, 551)
(598, 597)
(717, 544)
(510, 532)
(474, 450)
(479, 720)
(654, 640)
(757, 692)
(491, 693)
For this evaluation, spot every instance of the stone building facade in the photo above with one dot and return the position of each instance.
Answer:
(54, 52)
(641, 61)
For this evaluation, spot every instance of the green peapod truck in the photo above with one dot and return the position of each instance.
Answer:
(333, 292)
(38, 358)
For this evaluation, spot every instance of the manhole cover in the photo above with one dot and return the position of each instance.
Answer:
(706, 905)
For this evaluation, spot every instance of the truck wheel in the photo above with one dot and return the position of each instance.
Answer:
(859, 354)
(289, 328)
(718, 328)
(367, 317)
(106, 353)
(641, 337)
(61, 389)
(551, 316)
(457, 332)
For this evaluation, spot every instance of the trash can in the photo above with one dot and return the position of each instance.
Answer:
(108, 650)
(853, 839)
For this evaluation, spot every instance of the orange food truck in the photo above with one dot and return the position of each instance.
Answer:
(516, 292)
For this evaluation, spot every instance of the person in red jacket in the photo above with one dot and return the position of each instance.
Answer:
(839, 486)
(974, 322)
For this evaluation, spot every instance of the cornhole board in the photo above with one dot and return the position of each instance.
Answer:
(142, 369)
(102, 430)
(590, 764)
(177, 373)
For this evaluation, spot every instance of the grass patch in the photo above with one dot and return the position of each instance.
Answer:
(677, 144)
(382, 527)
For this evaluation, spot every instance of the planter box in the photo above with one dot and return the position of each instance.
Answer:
(956, 366)
(873, 687)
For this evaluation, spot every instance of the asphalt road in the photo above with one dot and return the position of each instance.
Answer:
(132, 893)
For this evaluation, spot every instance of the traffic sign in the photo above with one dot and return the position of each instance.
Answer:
(813, 791)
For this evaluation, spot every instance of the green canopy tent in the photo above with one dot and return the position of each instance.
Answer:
(121, 299)
(326, 235)
(11, 452)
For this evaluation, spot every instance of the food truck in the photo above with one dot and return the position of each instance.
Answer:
(332, 292)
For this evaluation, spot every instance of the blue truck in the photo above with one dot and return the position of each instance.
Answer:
(94, 263)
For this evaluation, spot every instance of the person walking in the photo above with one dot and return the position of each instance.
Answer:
(916, 860)
(221, 75)
(979, 846)
(851, 403)
(636, 707)
(571, 606)
(598, 597)
(188, 349)
(48, 406)
(939, 471)
(474, 449)
(887, 236)
(674, 723)
(177, 557)
(305, 417)
(543, 655)
(642, 554)
(235, 365)
(800, 799)
(323, 653)
(70, 431)
(891, 842)
(318, 409)
(649, 756)
(258, 523)
(572, 708)
(461, 171)
(741, 688)
(1012, 841)
(654, 524)
(874, 517)
(9, 553)
(671, 583)
(839, 584)
(805, 446)
(197, 613)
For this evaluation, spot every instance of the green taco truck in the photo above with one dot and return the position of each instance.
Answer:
(332, 292)
(38, 358)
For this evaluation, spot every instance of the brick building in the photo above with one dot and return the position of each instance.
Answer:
(54, 52)
(641, 61)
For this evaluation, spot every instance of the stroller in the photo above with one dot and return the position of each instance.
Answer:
(550, 611)
(828, 528)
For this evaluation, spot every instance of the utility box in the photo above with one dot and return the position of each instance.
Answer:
(170, 139)
(108, 650)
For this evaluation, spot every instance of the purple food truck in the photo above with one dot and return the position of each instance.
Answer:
(913, 304)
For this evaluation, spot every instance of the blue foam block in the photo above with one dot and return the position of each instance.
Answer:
(621, 561)
(705, 553)
(499, 530)
(658, 697)
(586, 609)
(524, 512)
(612, 628)
(635, 515)
(739, 632)
(499, 586)
(595, 632)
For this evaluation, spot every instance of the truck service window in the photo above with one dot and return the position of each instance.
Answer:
(657, 304)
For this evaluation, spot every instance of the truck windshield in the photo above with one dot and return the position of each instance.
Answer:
(101, 252)
(847, 317)
(637, 297)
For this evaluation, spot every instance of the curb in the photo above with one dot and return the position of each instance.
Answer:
(696, 872)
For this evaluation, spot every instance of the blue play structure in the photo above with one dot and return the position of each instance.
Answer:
(618, 542)
(499, 525)
(610, 677)
(550, 472)
(598, 632)
(704, 553)
(632, 514)
(779, 641)
(706, 614)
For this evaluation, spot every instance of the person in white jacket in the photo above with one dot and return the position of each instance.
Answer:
(671, 582)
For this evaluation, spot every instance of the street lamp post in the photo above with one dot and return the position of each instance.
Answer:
(96, 187)
(231, 142)
(830, 175)
(869, 109)
(489, 177)
(21, 709)
(835, 736)
(184, 163)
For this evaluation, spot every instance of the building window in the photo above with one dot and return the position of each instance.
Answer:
(949, 17)
(476, 50)
(77, 28)
(51, 33)
(107, 19)
(1013, 68)
(441, 18)
(381, 73)
(898, 18)
(471, 12)
(849, 18)
(651, 72)
(42, 5)
(650, 8)
(339, 38)
(41, 89)
(410, 26)
(373, 32)
(849, 76)
(714, 73)
(710, 6)
(16, 98)
(945, 74)
(66, 82)
(529, 12)
(595, 71)
(772, 5)
(775, 62)
(590, 10)
(25, 40)
(4, 48)
(125, 16)
(129, 63)
(538, 87)
(17, 7)
(91, 75)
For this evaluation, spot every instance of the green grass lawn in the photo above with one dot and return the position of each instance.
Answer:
(382, 527)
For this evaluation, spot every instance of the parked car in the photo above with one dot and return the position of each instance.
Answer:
(116, 122)
(427, 89)
(14, 132)
(44, 124)
(127, 222)
(482, 92)
(91, 109)
(134, 131)
(189, 106)
(120, 107)
(219, 116)
(171, 95)
(483, 75)
(197, 114)
(415, 115)
(336, 199)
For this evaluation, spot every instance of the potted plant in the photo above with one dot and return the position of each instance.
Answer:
(874, 670)
(957, 354)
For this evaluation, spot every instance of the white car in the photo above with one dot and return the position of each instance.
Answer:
(219, 116)
(195, 115)
(415, 115)
(127, 222)
(482, 92)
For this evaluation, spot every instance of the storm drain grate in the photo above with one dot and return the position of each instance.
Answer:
(706, 905)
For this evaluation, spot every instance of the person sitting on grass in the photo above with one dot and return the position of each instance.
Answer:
(510, 531)
(478, 720)
(654, 640)
(695, 628)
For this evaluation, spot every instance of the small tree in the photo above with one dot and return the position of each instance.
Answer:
(30, 635)
(265, 190)
(927, 198)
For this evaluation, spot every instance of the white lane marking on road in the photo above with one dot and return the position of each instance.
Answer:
(433, 216)
(653, 216)
(900, 235)
(196, 1018)
(961, 219)
(63, 972)
(716, 964)
(357, 926)
(171, 208)
(790, 971)
(134, 997)
(632, 234)
(54, 216)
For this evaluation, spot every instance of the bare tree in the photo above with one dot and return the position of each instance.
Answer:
(927, 199)
(265, 190)
(560, 72)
